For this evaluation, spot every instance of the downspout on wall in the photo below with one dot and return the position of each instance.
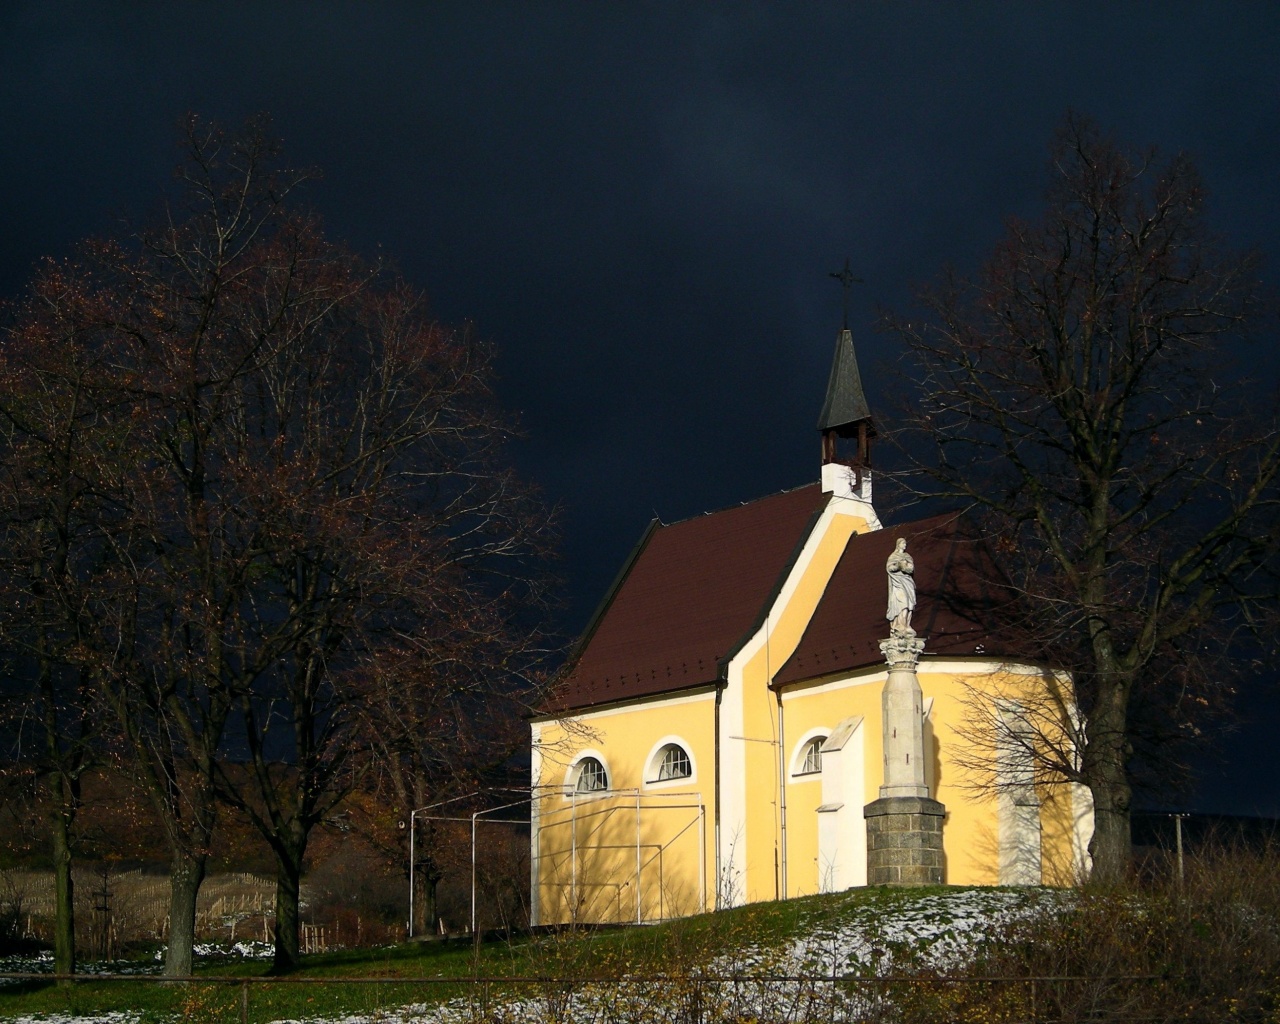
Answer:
(720, 685)
(782, 790)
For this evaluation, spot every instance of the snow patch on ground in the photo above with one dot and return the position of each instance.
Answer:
(940, 931)
(415, 1013)
(853, 936)
(42, 963)
(232, 951)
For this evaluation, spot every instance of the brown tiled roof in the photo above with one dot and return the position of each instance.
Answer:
(691, 595)
(958, 600)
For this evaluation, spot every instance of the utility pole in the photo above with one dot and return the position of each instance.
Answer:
(1177, 832)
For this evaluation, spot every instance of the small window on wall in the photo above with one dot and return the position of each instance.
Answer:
(812, 763)
(675, 763)
(591, 776)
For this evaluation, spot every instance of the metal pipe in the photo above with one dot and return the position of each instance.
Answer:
(412, 860)
(473, 874)
(573, 857)
(702, 854)
(481, 815)
(637, 857)
(851, 980)
(1177, 827)
(535, 850)
(782, 791)
(441, 803)
(478, 816)
(720, 685)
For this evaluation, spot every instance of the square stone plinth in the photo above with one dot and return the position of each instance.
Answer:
(904, 841)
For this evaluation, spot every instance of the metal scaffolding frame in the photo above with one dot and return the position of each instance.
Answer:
(539, 792)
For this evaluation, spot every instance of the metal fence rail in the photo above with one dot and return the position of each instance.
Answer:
(695, 998)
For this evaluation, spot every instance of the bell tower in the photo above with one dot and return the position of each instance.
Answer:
(845, 415)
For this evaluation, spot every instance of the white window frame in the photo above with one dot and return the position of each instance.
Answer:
(574, 770)
(798, 774)
(653, 764)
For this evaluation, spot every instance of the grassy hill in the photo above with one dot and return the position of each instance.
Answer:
(819, 935)
(1208, 951)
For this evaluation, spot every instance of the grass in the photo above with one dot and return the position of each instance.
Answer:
(675, 947)
(1207, 949)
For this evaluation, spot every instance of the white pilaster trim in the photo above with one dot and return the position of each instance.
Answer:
(733, 769)
(535, 821)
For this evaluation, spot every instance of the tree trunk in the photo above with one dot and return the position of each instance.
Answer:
(431, 915)
(1112, 844)
(288, 890)
(64, 923)
(426, 885)
(1106, 772)
(186, 875)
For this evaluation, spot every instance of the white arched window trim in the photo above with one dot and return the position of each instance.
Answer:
(571, 776)
(653, 763)
(798, 774)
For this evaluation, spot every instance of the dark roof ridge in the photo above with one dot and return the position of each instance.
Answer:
(685, 597)
(947, 561)
(650, 529)
(597, 616)
(948, 514)
(843, 633)
(741, 504)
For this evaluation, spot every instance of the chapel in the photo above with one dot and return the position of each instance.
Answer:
(788, 697)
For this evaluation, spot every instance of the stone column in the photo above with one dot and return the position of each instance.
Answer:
(904, 827)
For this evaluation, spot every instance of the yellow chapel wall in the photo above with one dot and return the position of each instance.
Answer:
(972, 848)
(971, 828)
(584, 846)
(817, 709)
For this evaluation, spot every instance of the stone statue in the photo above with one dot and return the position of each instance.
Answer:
(902, 589)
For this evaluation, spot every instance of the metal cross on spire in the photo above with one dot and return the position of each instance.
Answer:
(847, 281)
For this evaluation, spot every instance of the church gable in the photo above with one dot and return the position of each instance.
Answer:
(955, 614)
(694, 591)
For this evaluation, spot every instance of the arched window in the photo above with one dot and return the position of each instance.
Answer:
(812, 762)
(675, 763)
(591, 776)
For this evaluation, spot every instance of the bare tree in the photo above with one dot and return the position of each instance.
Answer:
(50, 729)
(1079, 397)
(152, 340)
(288, 484)
(372, 463)
(55, 515)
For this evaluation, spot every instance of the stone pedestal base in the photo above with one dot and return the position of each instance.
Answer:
(904, 841)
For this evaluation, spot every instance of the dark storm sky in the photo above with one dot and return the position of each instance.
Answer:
(640, 203)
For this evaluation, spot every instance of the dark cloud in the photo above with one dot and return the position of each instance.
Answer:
(640, 203)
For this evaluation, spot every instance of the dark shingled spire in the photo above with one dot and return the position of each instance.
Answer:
(845, 404)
